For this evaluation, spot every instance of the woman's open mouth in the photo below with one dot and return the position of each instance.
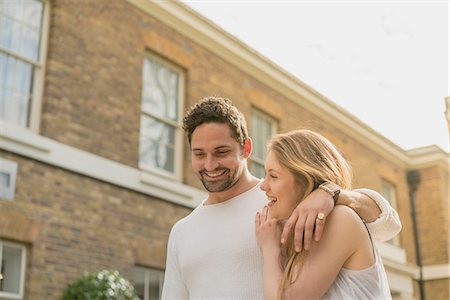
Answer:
(272, 200)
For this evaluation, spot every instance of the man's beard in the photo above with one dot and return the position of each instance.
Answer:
(219, 185)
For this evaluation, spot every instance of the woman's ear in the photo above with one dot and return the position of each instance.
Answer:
(248, 147)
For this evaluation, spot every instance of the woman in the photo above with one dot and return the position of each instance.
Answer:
(344, 264)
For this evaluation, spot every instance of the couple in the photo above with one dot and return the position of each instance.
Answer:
(214, 252)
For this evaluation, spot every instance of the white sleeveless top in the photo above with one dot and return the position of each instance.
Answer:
(370, 283)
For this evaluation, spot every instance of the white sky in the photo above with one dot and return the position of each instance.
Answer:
(386, 62)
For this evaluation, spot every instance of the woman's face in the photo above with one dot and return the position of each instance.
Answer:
(281, 189)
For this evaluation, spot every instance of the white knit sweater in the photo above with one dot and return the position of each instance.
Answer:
(213, 254)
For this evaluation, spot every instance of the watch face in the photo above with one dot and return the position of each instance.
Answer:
(336, 194)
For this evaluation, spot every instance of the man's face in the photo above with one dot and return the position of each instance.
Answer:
(217, 158)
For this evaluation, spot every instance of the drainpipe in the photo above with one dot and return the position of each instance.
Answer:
(413, 178)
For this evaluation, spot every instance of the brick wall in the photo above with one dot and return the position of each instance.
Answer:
(437, 289)
(432, 215)
(432, 201)
(82, 225)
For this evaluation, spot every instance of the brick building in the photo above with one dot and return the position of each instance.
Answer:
(94, 167)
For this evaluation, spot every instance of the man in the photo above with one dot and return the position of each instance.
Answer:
(212, 253)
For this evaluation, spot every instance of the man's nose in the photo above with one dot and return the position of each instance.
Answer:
(211, 163)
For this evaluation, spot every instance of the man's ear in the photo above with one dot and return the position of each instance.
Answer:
(248, 147)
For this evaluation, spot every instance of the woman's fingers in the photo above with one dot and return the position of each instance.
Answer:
(309, 230)
(264, 214)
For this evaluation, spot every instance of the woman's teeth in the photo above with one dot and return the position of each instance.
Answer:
(272, 200)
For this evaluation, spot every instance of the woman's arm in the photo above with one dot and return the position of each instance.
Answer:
(268, 232)
(273, 273)
(343, 238)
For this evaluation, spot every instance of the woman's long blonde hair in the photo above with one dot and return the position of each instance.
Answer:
(312, 159)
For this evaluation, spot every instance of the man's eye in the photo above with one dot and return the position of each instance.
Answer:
(223, 152)
(199, 154)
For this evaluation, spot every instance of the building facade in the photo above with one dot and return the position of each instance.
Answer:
(94, 167)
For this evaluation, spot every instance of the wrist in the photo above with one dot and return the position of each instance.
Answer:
(271, 250)
(349, 198)
(331, 189)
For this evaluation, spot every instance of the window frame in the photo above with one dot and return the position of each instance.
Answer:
(274, 128)
(38, 73)
(22, 269)
(177, 125)
(392, 199)
(146, 279)
(8, 167)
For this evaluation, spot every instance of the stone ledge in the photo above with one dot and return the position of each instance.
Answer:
(18, 227)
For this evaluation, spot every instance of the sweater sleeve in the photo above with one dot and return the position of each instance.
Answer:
(174, 287)
(388, 223)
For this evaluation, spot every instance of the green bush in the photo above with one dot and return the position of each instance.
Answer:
(104, 285)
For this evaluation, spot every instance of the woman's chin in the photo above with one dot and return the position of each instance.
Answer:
(275, 213)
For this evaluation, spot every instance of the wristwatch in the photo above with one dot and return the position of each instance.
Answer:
(332, 189)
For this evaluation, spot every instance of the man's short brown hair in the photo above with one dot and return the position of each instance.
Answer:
(216, 110)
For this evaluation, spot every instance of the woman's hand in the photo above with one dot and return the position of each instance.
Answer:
(268, 231)
(305, 220)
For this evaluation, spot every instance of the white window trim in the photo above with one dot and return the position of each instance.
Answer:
(34, 117)
(39, 73)
(393, 202)
(147, 280)
(274, 124)
(22, 271)
(18, 140)
(432, 272)
(179, 141)
(10, 168)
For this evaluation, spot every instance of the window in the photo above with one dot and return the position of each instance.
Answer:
(8, 171)
(21, 61)
(160, 147)
(12, 268)
(262, 129)
(147, 282)
(389, 192)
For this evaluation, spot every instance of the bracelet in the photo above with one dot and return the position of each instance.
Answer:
(326, 189)
(333, 193)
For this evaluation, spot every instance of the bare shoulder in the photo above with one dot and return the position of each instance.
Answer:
(344, 221)
(345, 228)
(342, 213)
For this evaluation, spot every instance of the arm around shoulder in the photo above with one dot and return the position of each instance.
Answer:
(388, 224)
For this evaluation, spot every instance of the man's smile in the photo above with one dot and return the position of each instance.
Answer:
(214, 174)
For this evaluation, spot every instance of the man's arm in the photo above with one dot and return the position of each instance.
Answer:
(384, 225)
(174, 287)
(362, 204)
(382, 220)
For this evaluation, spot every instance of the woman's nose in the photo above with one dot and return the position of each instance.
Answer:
(263, 185)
